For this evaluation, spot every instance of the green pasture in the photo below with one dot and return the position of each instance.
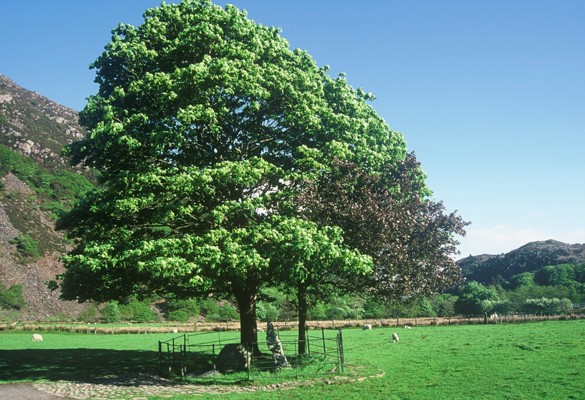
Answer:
(542, 360)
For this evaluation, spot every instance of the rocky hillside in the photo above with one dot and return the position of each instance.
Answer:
(34, 125)
(35, 183)
(528, 258)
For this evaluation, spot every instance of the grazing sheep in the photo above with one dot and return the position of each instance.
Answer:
(37, 338)
(395, 337)
(407, 327)
(367, 327)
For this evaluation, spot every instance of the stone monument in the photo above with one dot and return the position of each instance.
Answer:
(275, 346)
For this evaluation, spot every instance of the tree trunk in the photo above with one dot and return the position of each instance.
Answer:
(303, 310)
(246, 298)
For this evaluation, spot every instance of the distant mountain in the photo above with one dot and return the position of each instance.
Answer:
(487, 268)
(35, 183)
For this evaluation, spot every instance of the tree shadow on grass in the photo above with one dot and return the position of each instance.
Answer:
(81, 365)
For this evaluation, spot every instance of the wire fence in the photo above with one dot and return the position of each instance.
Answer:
(203, 357)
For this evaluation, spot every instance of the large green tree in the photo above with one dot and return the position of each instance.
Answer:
(204, 129)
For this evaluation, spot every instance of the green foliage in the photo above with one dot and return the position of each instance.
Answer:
(444, 304)
(7, 159)
(548, 290)
(426, 308)
(267, 312)
(138, 311)
(178, 316)
(54, 191)
(523, 279)
(579, 270)
(555, 275)
(26, 246)
(224, 313)
(475, 299)
(181, 310)
(12, 297)
(546, 306)
(205, 130)
(204, 197)
(209, 307)
(338, 309)
(3, 120)
(57, 189)
(110, 313)
(89, 314)
(318, 312)
(558, 281)
(374, 308)
(519, 296)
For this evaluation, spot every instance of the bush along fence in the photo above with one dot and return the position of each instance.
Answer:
(207, 356)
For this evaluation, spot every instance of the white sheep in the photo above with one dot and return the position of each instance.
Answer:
(407, 327)
(37, 338)
(367, 327)
(395, 337)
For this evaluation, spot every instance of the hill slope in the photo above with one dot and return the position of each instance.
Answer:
(35, 182)
(34, 125)
(528, 258)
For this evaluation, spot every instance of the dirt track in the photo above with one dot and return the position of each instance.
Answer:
(25, 391)
(142, 385)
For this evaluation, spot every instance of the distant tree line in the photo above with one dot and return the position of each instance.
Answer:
(552, 290)
(549, 290)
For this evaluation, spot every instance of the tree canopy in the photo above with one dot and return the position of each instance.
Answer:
(476, 299)
(389, 216)
(205, 130)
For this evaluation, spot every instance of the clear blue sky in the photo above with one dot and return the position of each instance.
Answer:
(489, 94)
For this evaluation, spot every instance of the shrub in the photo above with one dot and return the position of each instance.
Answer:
(337, 308)
(26, 246)
(267, 312)
(318, 312)
(178, 316)
(110, 313)
(138, 311)
(57, 189)
(209, 307)
(426, 309)
(181, 310)
(548, 306)
(90, 314)
(12, 297)
(224, 313)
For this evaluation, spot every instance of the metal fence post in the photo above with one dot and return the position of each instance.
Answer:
(340, 350)
(174, 360)
(160, 359)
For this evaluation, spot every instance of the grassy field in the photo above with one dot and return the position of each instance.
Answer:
(507, 361)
